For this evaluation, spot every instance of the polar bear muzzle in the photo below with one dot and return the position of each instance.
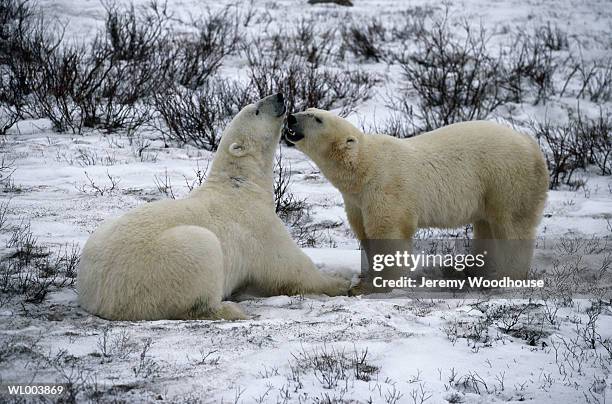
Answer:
(273, 104)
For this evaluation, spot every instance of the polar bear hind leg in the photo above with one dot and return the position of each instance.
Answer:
(192, 260)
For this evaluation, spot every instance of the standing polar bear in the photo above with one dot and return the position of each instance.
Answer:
(476, 172)
(180, 259)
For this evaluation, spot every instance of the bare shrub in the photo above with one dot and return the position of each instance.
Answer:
(23, 45)
(94, 187)
(454, 77)
(530, 62)
(576, 144)
(10, 102)
(16, 21)
(303, 72)
(559, 144)
(164, 185)
(7, 168)
(53, 76)
(276, 63)
(588, 332)
(594, 78)
(331, 366)
(132, 47)
(13, 13)
(308, 40)
(365, 40)
(199, 177)
(286, 204)
(135, 36)
(146, 367)
(474, 383)
(80, 381)
(4, 212)
(597, 83)
(99, 84)
(508, 317)
(476, 331)
(399, 124)
(31, 271)
(7, 119)
(554, 38)
(196, 58)
(420, 395)
(126, 68)
(198, 116)
(293, 211)
(595, 137)
(345, 3)
(109, 82)
(412, 22)
(141, 149)
(306, 85)
(113, 344)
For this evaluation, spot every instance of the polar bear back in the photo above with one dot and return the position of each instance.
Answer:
(462, 172)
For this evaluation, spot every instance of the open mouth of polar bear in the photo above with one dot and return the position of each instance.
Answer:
(293, 136)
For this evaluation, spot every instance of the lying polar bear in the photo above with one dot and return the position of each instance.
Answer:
(178, 259)
(473, 172)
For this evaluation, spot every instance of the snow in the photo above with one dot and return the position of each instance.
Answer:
(218, 361)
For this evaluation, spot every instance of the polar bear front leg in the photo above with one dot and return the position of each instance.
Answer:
(325, 284)
(297, 275)
(355, 218)
(380, 226)
(310, 280)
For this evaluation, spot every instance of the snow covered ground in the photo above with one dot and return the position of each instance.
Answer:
(307, 348)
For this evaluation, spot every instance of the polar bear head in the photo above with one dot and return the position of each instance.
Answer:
(333, 143)
(247, 147)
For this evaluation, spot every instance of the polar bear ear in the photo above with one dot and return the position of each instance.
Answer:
(237, 150)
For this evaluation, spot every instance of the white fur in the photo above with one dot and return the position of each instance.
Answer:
(177, 259)
(476, 172)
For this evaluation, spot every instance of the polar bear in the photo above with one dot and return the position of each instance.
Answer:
(179, 259)
(477, 172)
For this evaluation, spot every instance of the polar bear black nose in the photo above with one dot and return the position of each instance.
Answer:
(279, 97)
(291, 119)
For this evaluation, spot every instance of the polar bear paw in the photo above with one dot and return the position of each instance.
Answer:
(361, 288)
(229, 311)
(338, 287)
(365, 287)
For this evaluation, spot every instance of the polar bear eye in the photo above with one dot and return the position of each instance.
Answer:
(318, 119)
(257, 112)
